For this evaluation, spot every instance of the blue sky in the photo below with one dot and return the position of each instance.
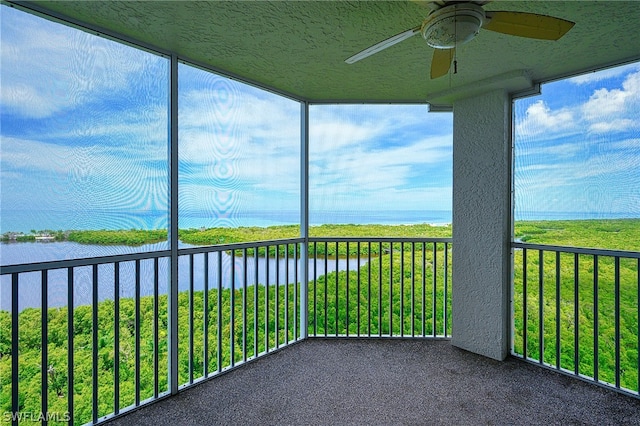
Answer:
(84, 126)
(578, 145)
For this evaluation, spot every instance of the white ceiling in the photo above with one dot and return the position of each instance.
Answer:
(298, 47)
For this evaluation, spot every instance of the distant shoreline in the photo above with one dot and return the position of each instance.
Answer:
(539, 231)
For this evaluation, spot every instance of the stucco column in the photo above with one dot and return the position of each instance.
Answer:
(481, 224)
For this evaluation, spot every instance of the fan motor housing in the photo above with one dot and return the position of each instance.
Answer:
(453, 25)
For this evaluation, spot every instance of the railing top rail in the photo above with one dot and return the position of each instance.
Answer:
(578, 250)
(238, 246)
(381, 239)
(88, 261)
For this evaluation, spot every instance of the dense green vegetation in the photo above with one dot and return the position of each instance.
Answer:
(577, 314)
(212, 236)
(615, 234)
(352, 307)
(619, 234)
(576, 304)
(384, 297)
(132, 237)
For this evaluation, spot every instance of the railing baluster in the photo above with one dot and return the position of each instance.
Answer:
(266, 301)
(205, 317)
(15, 403)
(524, 304)
(232, 310)
(255, 302)
(413, 288)
(44, 343)
(116, 337)
(391, 289)
(137, 328)
(326, 289)
(244, 305)
(576, 315)
(558, 317)
(315, 288)
(369, 288)
(70, 365)
(346, 320)
(219, 312)
(286, 294)
(336, 254)
(380, 289)
(540, 306)
(617, 318)
(424, 290)
(401, 289)
(156, 331)
(358, 291)
(295, 292)
(191, 309)
(434, 291)
(596, 332)
(94, 345)
(277, 297)
(445, 305)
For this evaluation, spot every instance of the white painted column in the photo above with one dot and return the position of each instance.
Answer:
(481, 224)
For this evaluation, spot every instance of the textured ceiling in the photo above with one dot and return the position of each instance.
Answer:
(299, 47)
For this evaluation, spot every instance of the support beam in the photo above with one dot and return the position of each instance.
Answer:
(304, 217)
(481, 224)
(173, 228)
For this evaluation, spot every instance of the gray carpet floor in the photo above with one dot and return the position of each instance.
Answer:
(380, 382)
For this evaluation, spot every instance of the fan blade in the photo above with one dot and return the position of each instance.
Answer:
(441, 62)
(383, 45)
(528, 25)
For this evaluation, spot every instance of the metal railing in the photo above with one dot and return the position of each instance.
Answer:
(77, 351)
(393, 287)
(95, 342)
(576, 310)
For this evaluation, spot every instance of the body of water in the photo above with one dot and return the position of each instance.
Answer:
(30, 288)
(25, 220)
(269, 270)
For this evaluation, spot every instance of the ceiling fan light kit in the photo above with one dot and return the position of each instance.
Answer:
(453, 23)
(449, 27)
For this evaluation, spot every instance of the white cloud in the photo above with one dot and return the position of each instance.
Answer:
(607, 110)
(48, 68)
(325, 137)
(603, 177)
(616, 109)
(63, 176)
(540, 119)
(552, 152)
(356, 152)
(616, 125)
(360, 177)
(366, 157)
(236, 142)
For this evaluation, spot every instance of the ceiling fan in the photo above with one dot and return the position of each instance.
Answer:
(452, 23)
